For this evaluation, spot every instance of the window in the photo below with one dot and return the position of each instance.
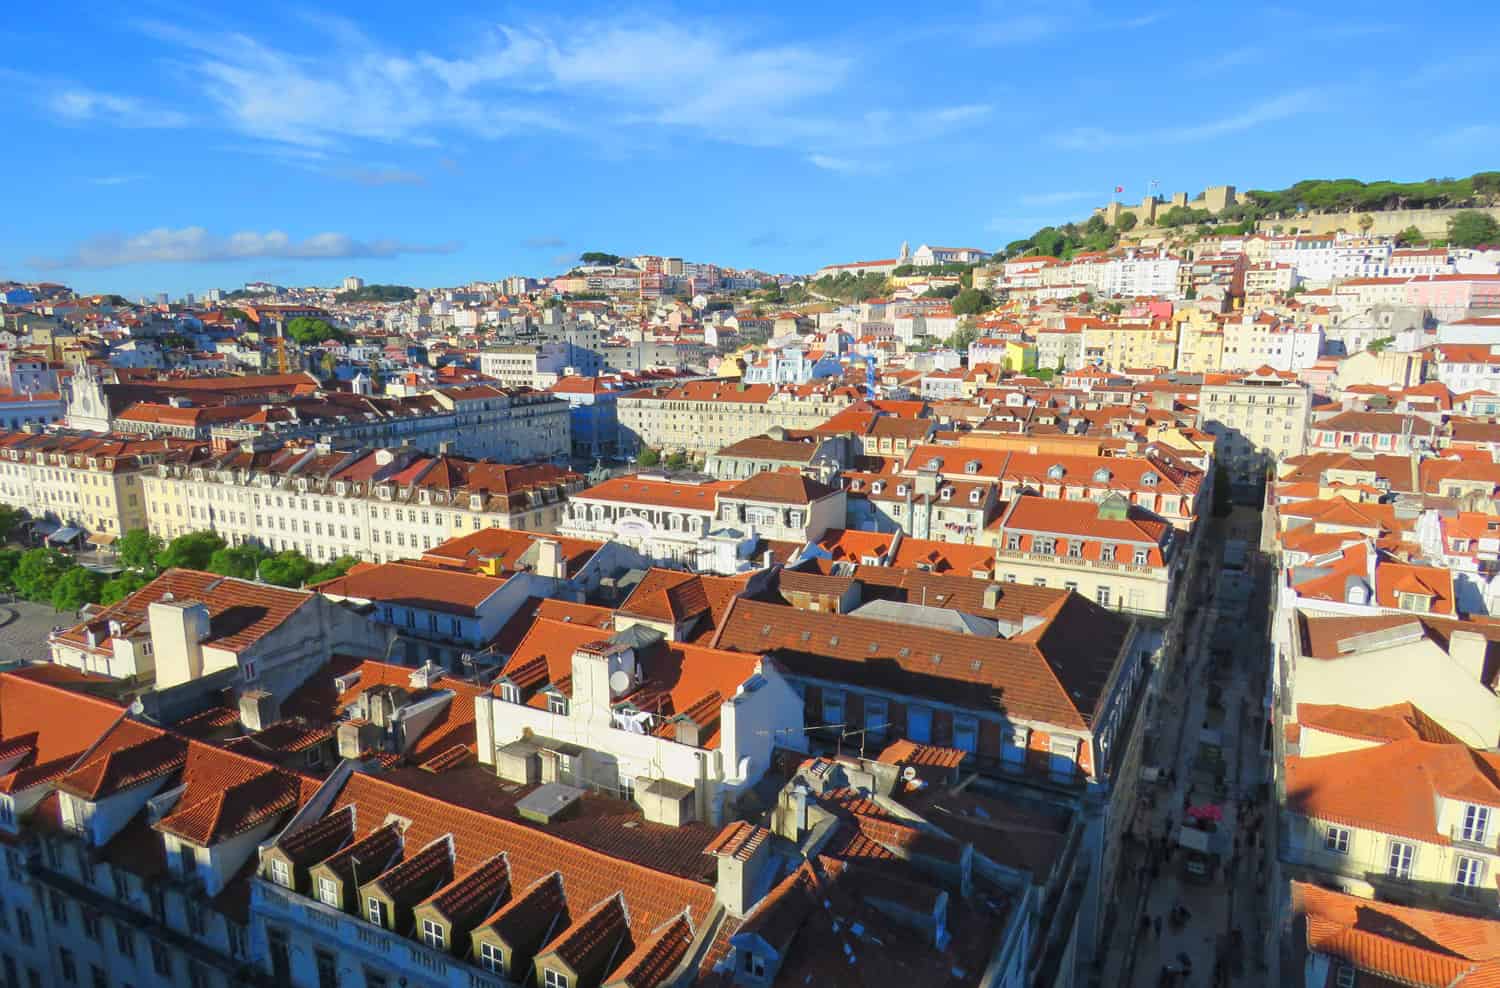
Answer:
(281, 874)
(833, 707)
(59, 908)
(510, 693)
(492, 958)
(328, 892)
(188, 859)
(1075, 549)
(69, 968)
(281, 956)
(965, 733)
(98, 977)
(1336, 839)
(557, 704)
(552, 979)
(1476, 823)
(1142, 556)
(755, 965)
(1345, 978)
(91, 928)
(1101, 594)
(374, 979)
(328, 969)
(1399, 865)
(434, 935)
(1061, 761)
(23, 926)
(375, 911)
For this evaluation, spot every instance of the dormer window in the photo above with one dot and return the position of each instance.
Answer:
(1102, 475)
(971, 467)
(557, 704)
(974, 497)
(510, 692)
(936, 463)
(1149, 479)
(878, 487)
(1417, 603)
(1055, 472)
(947, 494)
(901, 490)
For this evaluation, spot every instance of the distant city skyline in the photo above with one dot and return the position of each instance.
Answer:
(177, 151)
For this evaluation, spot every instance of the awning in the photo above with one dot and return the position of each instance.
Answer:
(43, 527)
(64, 535)
(103, 538)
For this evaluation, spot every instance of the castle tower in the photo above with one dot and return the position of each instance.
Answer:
(905, 252)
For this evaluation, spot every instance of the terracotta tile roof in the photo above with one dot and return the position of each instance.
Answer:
(667, 595)
(527, 919)
(657, 956)
(1393, 579)
(1032, 513)
(227, 794)
(240, 612)
(371, 854)
(1412, 773)
(473, 896)
(410, 585)
(780, 487)
(320, 839)
(59, 722)
(906, 752)
(1057, 676)
(1400, 944)
(657, 493)
(1397, 722)
(766, 448)
(417, 876)
(652, 896)
(589, 943)
(508, 549)
(738, 840)
(131, 755)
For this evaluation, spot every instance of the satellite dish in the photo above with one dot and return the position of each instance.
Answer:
(137, 708)
(909, 773)
(619, 681)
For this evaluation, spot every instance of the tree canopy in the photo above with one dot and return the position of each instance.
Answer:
(10, 517)
(37, 573)
(191, 551)
(378, 293)
(599, 257)
(1472, 228)
(120, 587)
(970, 301)
(309, 331)
(75, 587)
(137, 550)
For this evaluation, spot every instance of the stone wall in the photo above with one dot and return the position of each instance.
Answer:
(1432, 222)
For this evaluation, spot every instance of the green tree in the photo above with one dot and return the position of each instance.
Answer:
(1365, 222)
(287, 569)
(9, 559)
(190, 551)
(970, 302)
(333, 570)
(138, 550)
(942, 291)
(1126, 222)
(1487, 185)
(648, 458)
(76, 587)
(121, 587)
(676, 460)
(599, 257)
(1410, 237)
(1378, 345)
(960, 340)
(237, 560)
(9, 518)
(1471, 228)
(310, 331)
(38, 571)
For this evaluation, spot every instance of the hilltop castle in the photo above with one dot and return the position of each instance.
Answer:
(1215, 199)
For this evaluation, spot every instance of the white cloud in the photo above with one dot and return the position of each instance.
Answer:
(605, 81)
(829, 163)
(1269, 111)
(194, 244)
(82, 105)
(382, 176)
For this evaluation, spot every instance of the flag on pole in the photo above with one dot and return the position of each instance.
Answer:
(1119, 188)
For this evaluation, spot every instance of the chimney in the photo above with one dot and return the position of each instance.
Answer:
(178, 629)
(1467, 648)
(992, 596)
(425, 675)
(687, 731)
(549, 561)
(742, 860)
(258, 710)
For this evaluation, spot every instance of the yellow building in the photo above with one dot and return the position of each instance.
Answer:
(1020, 356)
(1120, 346)
(1200, 342)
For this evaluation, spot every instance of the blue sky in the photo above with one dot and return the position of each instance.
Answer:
(179, 147)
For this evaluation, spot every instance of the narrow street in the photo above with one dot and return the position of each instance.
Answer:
(1206, 906)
